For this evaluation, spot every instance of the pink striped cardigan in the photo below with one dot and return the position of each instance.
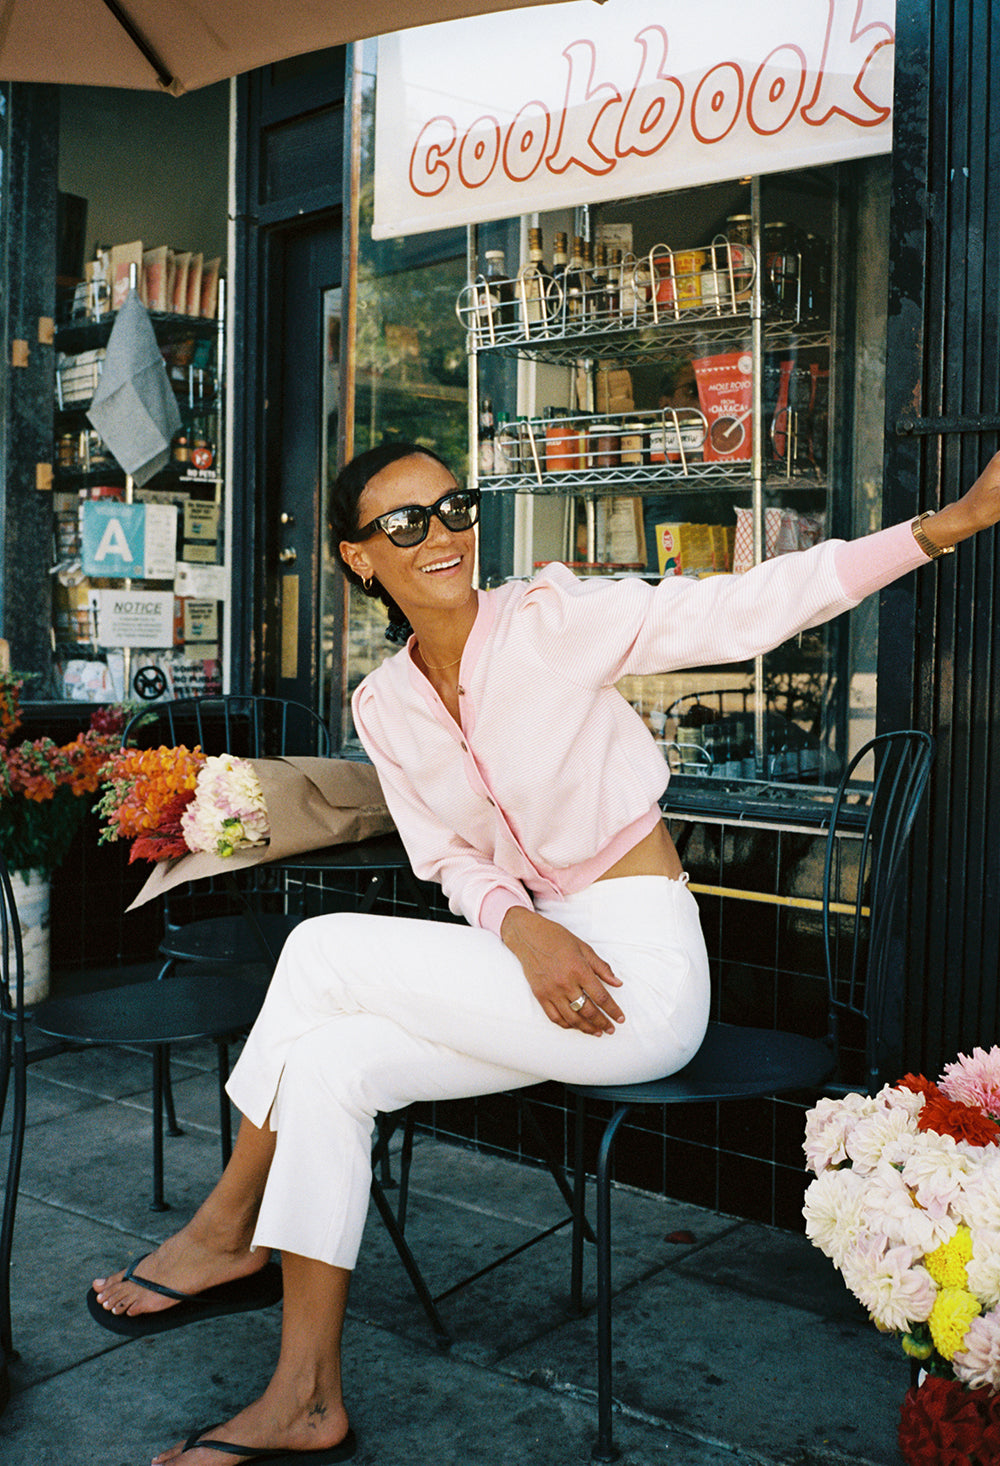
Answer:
(552, 776)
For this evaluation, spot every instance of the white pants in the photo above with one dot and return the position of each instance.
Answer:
(370, 1013)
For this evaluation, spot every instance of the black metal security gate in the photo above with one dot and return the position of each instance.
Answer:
(939, 644)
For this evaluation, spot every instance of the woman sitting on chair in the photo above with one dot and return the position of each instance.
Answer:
(524, 783)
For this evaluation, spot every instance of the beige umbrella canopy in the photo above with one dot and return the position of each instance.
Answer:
(178, 45)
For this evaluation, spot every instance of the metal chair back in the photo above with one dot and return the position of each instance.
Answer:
(245, 725)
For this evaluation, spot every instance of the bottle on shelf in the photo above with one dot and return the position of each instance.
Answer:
(739, 232)
(487, 450)
(560, 264)
(574, 285)
(591, 290)
(781, 266)
(600, 279)
(561, 442)
(633, 443)
(505, 446)
(498, 302)
(816, 276)
(535, 293)
(628, 291)
(613, 287)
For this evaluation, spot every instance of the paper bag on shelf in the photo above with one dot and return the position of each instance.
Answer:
(123, 257)
(182, 265)
(195, 271)
(154, 277)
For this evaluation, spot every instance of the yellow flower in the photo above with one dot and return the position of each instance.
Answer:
(946, 1264)
(953, 1312)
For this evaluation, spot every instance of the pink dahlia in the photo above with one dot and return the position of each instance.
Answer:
(975, 1080)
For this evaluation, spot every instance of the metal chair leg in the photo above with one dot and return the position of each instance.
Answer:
(168, 1095)
(18, 1118)
(225, 1113)
(409, 1262)
(604, 1449)
(158, 1203)
(579, 1214)
(405, 1163)
(166, 1087)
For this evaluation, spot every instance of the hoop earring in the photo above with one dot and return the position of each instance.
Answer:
(368, 584)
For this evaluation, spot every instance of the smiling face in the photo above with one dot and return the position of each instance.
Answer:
(435, 575)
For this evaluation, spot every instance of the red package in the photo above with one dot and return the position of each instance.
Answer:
(724, 391)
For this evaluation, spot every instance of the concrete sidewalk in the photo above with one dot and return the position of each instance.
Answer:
(739, 1346)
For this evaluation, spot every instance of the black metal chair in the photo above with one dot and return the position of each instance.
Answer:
(148, 1014)
(229, 922)
(236, 922)
(739, 1062)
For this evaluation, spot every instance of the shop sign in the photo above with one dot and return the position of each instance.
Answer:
(559, 105)
(128, 541)
(134, 617)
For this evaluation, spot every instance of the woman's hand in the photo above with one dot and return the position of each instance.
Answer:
(559, 968)
(977, 509)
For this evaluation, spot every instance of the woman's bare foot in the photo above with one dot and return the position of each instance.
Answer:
(197, 1257)
(280, 1419)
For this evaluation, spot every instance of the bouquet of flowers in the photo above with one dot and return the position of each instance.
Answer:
(41, 782)
(178, 801)
(906, 1203)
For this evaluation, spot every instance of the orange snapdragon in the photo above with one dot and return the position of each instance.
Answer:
(146, 789)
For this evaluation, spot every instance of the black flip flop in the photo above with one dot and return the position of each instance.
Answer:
(259, 1290)
(342, 1452)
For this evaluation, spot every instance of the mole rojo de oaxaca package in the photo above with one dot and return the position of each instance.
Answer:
(724, 391)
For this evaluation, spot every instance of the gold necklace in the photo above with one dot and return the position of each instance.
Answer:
(444, 665)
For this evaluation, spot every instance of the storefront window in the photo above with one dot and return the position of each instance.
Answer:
(691, 410)
(409, 364)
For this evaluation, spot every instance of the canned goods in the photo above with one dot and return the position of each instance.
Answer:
(739, 232)
(604, 449)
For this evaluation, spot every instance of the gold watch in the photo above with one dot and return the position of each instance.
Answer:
(928, 546)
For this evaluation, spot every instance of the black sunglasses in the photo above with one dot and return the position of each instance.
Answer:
(408, 525)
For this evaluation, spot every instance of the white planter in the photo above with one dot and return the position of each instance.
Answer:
(31, 897)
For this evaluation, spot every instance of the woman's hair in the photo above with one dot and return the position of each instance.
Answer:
(345, 496)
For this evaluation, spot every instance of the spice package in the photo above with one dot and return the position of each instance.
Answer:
(724, 392)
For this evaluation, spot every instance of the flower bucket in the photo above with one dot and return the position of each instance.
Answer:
(31, 897)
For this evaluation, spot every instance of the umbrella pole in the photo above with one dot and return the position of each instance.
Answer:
(133, 282)
(127, 650)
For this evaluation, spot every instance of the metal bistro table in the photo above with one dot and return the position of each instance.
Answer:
(378, 859)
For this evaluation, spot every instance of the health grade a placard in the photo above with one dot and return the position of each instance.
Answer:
(130, 541)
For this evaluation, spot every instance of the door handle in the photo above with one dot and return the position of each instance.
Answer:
(287, 556)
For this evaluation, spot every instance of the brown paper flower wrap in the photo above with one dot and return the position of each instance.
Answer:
(311, 803)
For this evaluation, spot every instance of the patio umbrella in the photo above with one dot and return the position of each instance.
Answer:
(147, 44)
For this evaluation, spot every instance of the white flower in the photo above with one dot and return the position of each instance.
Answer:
(833, 1209)
(886, 1129)
(897, 1097)
(983, 1270)
(978, 1364)
(827, 1126)
(980, 1203)
(227, 812)
(886, 1281)
(890, 1211)
(938, 1169)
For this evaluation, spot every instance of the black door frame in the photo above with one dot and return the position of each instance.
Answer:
(291, 137)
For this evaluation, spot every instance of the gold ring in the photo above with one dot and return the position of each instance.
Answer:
(578, 1003)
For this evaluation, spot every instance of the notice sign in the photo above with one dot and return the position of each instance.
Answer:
(552, 106)
(134, 618)
(130, 541)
